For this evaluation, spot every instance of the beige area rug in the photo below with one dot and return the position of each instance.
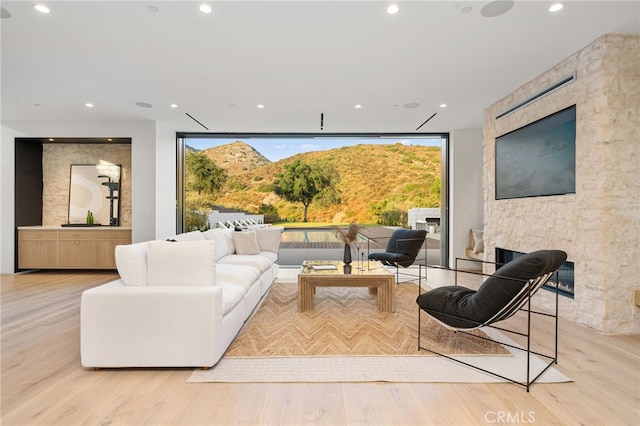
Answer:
(346, 322)
(358, 344)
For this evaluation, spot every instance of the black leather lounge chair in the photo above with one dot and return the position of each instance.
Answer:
(503, 294)
(402, 249)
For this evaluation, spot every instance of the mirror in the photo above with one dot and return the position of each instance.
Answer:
(94, 188)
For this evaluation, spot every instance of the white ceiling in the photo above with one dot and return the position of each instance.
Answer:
(298, 58)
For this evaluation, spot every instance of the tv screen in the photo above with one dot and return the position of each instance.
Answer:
(538, 159)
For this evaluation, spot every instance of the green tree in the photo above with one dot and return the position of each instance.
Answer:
(203, 175)
(302, 183)
(196, 214)
(269, 212)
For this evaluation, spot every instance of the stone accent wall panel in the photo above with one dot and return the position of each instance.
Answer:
(56, 169)
(599, 225)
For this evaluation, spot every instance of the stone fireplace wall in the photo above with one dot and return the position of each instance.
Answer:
(599, 225)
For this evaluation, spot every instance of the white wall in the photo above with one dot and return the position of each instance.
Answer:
(466, 195)
(165, 178)
(153, 159)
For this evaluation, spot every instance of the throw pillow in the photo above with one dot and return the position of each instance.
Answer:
(131, 263)
(478, 240)
(223, 239)
(183, 263)
(246, 242)
(269, 239)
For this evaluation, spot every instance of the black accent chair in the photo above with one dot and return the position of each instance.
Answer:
(402, 249)
(504, 293)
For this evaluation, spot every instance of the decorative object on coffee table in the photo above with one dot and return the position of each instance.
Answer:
(347, 237)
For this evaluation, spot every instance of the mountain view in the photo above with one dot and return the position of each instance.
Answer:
(375, 181)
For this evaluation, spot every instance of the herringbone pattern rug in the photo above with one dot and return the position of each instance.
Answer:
(346, 321)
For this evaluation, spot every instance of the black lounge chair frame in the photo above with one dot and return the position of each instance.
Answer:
(522, 301)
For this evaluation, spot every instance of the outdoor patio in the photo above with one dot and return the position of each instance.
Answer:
(292, 254)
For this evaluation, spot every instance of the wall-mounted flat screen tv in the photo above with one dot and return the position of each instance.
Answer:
(538, 159)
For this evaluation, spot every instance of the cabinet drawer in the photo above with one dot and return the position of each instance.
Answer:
(37, 235)
(76, 235)
(116, 234)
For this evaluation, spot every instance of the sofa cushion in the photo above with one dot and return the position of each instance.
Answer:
(246, 242)
(223, 239)
(269, 239)
(259, 262)
(189, 236)
(238, 275)
(131, 262)
(188, 263)
(231, 296)
(273, 257)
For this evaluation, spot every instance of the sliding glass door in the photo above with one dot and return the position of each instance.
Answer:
(392, 180)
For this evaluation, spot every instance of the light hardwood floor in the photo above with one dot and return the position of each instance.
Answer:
(43, 382)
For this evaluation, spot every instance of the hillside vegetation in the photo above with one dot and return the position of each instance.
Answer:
(376, 181)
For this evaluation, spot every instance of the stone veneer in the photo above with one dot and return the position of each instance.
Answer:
(599, 225)
(56, 165)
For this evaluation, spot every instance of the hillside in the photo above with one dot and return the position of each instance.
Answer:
(374, 178)
(237, 157)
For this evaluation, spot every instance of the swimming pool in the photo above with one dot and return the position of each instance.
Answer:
(311, 235)
(308, 235)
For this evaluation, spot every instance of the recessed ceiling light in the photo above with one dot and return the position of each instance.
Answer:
(556, 7)
(41, 8)
(153, 9)
(260, 106)
(51, 139)
(89, 105)
(144, 104)
(393, 9)
(443, 105)
(173, 106)
(205, 8)
(4, 13)
(466, 9)
(358, 106)
(411, 105)
(109, 139)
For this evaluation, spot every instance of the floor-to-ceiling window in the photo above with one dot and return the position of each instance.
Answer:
(385, 179)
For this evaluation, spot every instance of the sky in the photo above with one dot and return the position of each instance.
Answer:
(276, 149)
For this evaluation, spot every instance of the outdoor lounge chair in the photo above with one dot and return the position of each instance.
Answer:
(504, 293)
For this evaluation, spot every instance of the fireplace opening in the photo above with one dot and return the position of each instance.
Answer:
(564, 276)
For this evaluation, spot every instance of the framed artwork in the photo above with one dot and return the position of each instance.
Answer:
(94, 191)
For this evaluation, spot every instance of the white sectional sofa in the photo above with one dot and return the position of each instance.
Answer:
(180, 302)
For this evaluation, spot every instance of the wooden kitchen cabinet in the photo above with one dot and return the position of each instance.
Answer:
(38, 249)
(106, 242)
(76, 249)
(69, 248)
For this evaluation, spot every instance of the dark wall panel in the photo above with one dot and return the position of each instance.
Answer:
(28, 181)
